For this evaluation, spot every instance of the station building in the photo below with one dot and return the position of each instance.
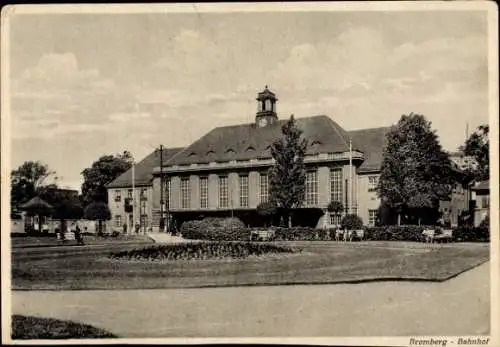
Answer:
(225, 172)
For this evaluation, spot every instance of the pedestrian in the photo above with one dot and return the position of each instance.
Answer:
(78, 235)
(137, 227)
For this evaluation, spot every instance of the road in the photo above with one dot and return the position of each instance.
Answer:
(460, 306)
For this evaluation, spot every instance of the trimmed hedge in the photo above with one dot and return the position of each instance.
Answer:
(202, 251)
(471, 234)
(396, 233)
(215, 229)
(232, 229)
(303, 234)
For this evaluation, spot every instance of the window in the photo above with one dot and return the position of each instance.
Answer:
(144, 206)
(372, 217)
(129, 194)
(118, 221)
(336, 185)
(204, 192)
(485, 202)
(244, 191)
(185, 192)
(223, 192)
(335, 219)
(311, 188)
(118, 195)
(372, 183)
(268, 106)
(144, 192)
(167, 193)
(144, 220)
(264, 187)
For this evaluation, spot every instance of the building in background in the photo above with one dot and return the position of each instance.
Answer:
(121, 193)
(224, 173)
(453, 209)
(481, 196)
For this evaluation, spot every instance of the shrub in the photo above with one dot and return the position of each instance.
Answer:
(485, 223)
(471, 234)
(201, 251)
(351, 222)
(300, 234)
(335, 207)
(215, 229)
(396, 233)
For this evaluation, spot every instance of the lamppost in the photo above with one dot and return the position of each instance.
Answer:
(162, 218)
(132, 227)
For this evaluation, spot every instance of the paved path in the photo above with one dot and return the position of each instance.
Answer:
(166, 238)
(459, 306)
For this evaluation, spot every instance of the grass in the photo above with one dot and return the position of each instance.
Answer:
(319, 262)
(45, 241)
(28, 328)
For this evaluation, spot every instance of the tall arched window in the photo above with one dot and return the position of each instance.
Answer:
(268, 105)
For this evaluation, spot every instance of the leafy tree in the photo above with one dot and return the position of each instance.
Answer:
(351, 222)
(66, 204)
(416, 173)
(335, 207)
(103, 171)
(97, 211)
(287, 177)
(478, 146)
(266, 210)
(27, 181)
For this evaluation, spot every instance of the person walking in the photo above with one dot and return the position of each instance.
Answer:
(78, 235)
(137, 227)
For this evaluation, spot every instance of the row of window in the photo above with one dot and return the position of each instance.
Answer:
(335, 219)
(224, 193)
(311, 189)
(118, 194)
(118, 223)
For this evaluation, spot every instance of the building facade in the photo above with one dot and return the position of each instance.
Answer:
(225, 172)
(481, 195)
(125, 198)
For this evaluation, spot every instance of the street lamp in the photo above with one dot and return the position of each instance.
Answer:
(162, 218)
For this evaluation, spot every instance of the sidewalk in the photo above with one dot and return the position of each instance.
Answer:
(166, 238)
(460, 306)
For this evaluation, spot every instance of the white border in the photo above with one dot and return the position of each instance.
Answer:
(14, 10)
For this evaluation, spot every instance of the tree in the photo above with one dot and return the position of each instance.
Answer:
(478, 146)
(287, 177)
(27, 181)
(66, 205)
(266, 210)
(103, 171)
(97, 211)
(335, 207)
(351, 222)
(416, 173)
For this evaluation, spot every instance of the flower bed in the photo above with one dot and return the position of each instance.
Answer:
(202, 251)
(215, 229)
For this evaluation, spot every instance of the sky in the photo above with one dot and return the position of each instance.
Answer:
(86, 85)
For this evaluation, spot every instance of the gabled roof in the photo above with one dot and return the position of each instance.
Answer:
(249, 141)
(143, 169)
(482, 185)
(371, 142)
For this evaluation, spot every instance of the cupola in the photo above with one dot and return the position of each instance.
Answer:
(266, 108)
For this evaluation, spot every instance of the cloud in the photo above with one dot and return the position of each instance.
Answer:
(56, 91)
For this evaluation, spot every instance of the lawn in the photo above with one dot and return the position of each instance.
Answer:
(319, 262)
(28, 328)
(46, 241)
